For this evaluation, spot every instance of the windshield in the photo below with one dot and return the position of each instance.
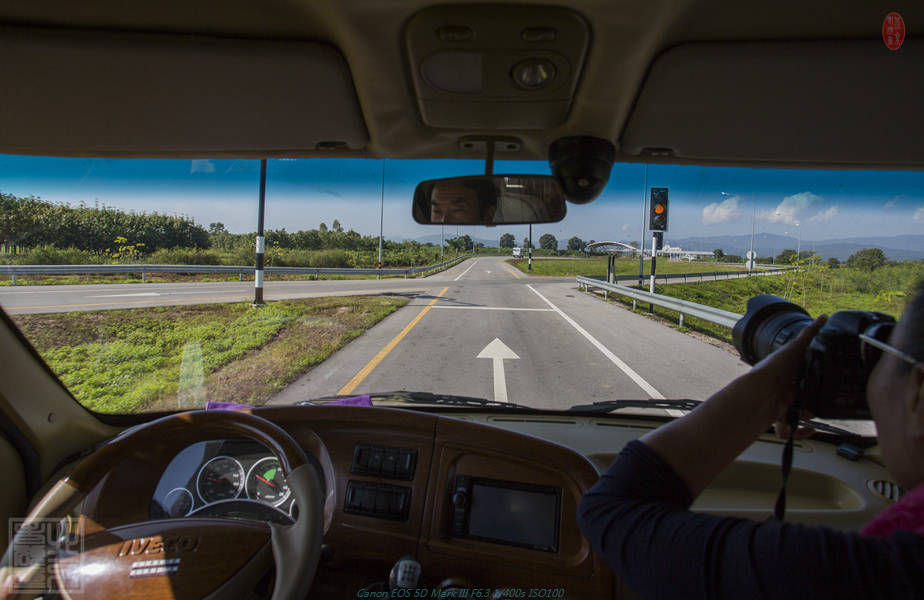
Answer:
(135, 279)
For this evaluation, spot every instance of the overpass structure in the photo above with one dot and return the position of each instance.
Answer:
(617, 248)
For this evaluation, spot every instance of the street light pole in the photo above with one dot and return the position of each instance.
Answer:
(751, 257)
(382, 218)
(641, 249)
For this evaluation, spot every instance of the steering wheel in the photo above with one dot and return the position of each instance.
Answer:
(188, 557)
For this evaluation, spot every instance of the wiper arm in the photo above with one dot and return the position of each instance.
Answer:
(427, 398)
(601, 408)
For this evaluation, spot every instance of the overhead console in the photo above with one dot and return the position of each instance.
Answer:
(483, 66)
(795, 102)
(88, 93)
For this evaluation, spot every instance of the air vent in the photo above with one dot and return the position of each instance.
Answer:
(887, 490)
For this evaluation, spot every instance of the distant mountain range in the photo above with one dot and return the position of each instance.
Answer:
(899, 247)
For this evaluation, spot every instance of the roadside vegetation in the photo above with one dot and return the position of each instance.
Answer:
(179, 357)
(816, 286)
(36, 232)
(590, 267)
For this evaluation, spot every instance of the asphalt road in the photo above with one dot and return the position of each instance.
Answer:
(556, 346)
(64, 298)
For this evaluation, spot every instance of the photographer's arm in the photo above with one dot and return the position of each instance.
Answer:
(703, 442)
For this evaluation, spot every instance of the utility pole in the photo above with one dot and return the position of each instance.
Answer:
(442, 227)
(261, 241)
(382, 218)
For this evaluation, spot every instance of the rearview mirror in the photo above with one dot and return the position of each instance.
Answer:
(489, 200)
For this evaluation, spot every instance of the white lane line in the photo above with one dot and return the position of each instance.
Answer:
(127, 295)
(493, 308)
(647, 387)
(466, 270)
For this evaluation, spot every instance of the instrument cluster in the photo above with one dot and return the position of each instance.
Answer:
(228, 478)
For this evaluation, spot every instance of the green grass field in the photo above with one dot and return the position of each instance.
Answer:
(597, 266)
(818, 289)
(178, 357)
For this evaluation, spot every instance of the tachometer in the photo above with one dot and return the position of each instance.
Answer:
(266, 482)
(178, 502)
(221, 478)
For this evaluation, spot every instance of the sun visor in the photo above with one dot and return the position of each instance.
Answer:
(96, 93)
(813, 102)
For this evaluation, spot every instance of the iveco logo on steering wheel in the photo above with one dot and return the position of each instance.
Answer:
(157, 545)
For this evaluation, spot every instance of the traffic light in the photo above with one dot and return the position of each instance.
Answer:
(657, 215)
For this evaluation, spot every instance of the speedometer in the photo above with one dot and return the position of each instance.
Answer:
(221, 478)
(266, 482)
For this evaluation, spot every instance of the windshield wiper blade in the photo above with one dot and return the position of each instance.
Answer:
(607, 406)
(425, 398)
(600, 408)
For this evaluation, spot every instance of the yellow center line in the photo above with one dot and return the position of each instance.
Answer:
(510, 270)
(359, 377)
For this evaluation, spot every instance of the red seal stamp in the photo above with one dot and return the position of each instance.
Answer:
(893, 31)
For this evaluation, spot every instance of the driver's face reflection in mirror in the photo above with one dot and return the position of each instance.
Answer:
(455, 202)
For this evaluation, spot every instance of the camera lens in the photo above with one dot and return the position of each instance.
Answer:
(769, 323)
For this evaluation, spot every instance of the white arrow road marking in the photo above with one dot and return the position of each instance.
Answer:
(497, 351)
(127, 295)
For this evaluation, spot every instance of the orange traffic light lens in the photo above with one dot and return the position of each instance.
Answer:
(659, 208)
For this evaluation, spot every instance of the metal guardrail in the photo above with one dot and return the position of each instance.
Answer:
(15, 270)
(692, 277)
(684, 307)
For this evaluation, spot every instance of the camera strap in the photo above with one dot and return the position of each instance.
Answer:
(792, 419)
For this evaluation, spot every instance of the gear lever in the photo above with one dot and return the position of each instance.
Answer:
(405, 574)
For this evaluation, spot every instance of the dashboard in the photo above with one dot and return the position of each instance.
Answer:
(483, 500)
(475, 505)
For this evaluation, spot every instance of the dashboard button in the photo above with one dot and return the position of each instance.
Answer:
(389, 462)
(375, 460)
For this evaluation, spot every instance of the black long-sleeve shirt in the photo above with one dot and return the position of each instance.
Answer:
(637, 519)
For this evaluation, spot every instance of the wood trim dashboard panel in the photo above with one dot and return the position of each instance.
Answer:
(362, 549)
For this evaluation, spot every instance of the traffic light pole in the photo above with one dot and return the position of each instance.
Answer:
(654, 260)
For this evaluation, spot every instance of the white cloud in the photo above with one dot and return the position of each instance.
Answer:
(722, 212)
(918, 216)
(826, 215)
(624, 227)
(201, 166)
(795, 208)
(890, 204)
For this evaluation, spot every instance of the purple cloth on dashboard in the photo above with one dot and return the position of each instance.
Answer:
(224, 406)
(354, 401)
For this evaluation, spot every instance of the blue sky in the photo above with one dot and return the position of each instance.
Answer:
(302, 193)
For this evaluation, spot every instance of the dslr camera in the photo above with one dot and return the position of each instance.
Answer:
(837, 362)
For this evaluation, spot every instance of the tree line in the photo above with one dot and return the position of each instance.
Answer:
(34, 222)
(31, 222)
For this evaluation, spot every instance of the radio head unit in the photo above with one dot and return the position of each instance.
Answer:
(505, 512)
